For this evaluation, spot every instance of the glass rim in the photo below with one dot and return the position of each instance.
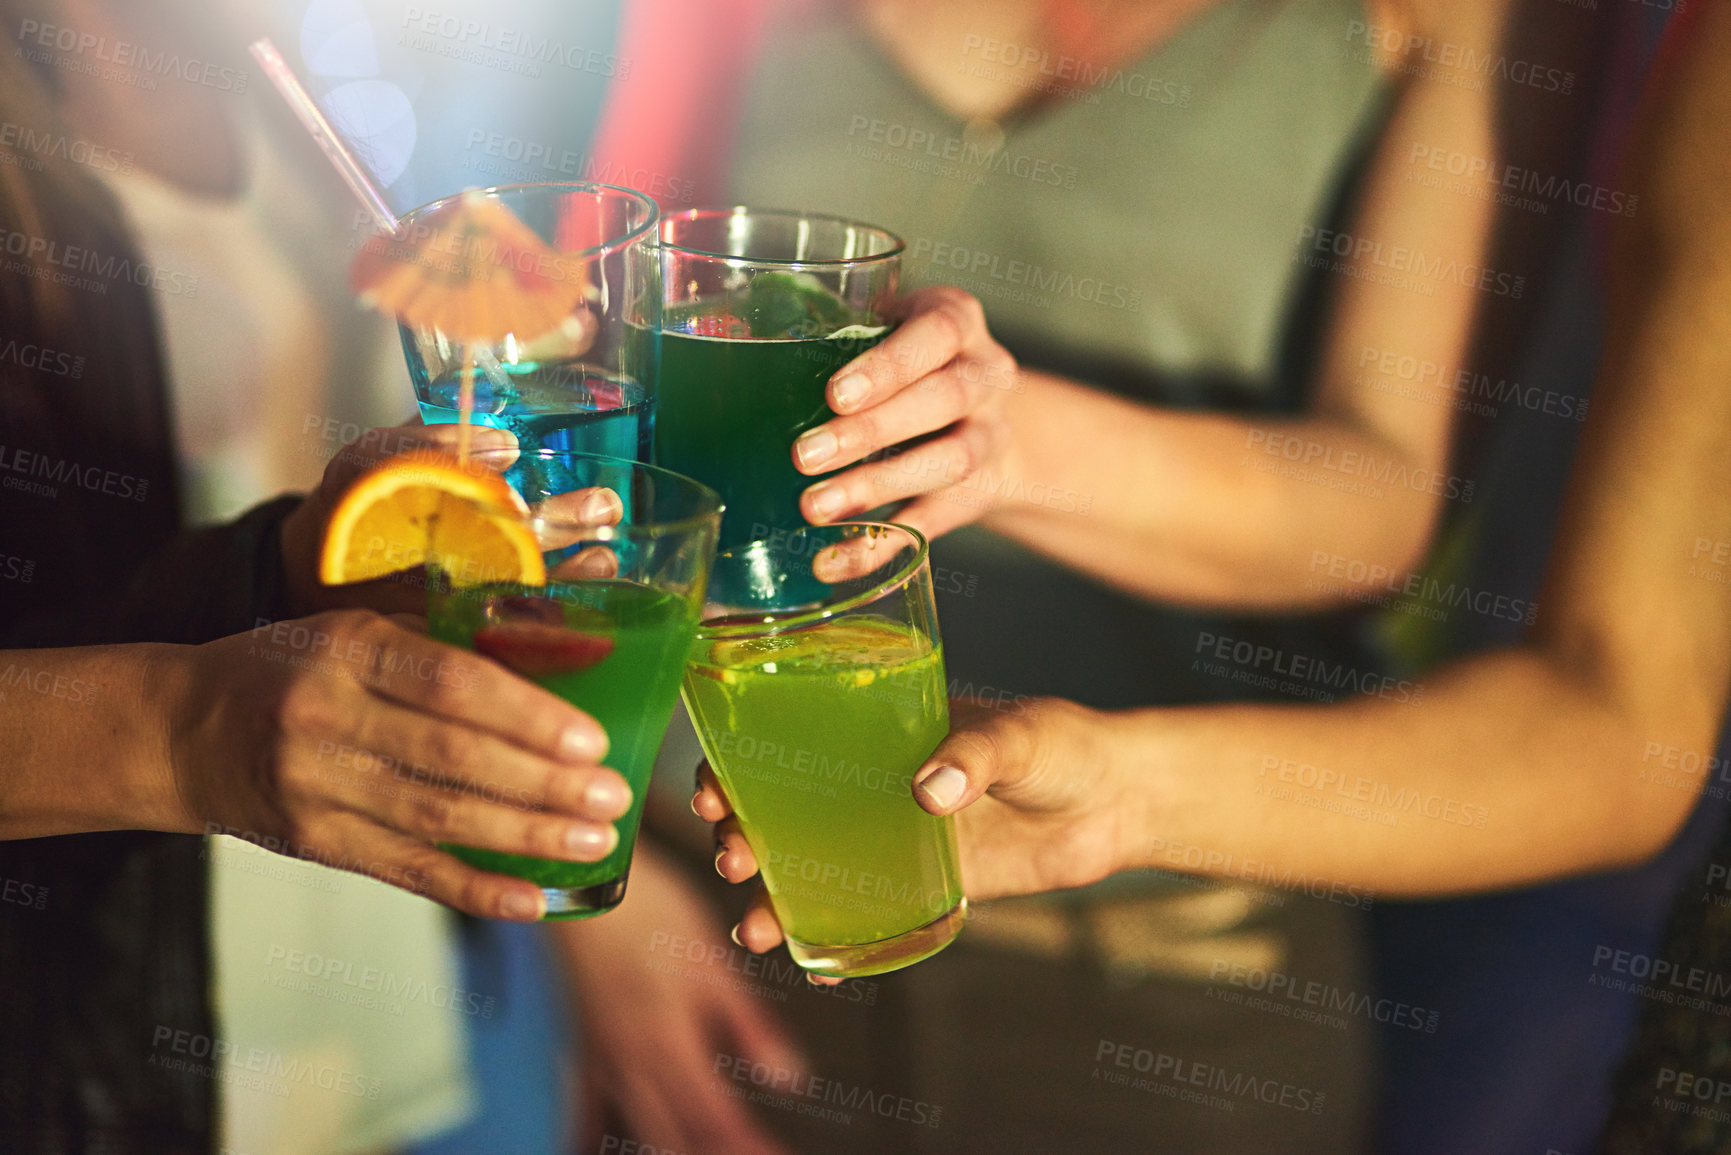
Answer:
(781, 622)
(705, 212)
(669, 527)
(651, 223)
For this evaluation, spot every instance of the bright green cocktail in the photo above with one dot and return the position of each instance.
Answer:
(627, 549)
(816, 735)
(613, 649)
(815, 719)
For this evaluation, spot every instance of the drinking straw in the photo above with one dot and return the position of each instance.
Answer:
(299, 99)
(360, 182)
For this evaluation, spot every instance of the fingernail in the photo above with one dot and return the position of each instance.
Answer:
(720, 853)
(491, 437)
(850, 391)
(582, 744)
(734, 935)
(607, 796)
(945, 787)
(591, 841)
(694, 797)
(602, 507)
(826, 501)
(815, 448)
(520, 907)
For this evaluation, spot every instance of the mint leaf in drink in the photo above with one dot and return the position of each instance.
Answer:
(793, 305)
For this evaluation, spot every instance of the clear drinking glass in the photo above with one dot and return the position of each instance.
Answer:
(586, 383)
(815, 717)
(761, 308)
(628, 549)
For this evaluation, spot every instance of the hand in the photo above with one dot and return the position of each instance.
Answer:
(1037, 803)
(653, 1037)
(940, 370)
(303, 531)
(353, 741)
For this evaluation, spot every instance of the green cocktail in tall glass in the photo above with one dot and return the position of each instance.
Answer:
(815, 719)
(609, 631)
(761, 310)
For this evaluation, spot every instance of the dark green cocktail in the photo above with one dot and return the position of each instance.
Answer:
(762, 309)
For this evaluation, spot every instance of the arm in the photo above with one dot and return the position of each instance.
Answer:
(345, 739)
(1179, 509)
(664, 948)
(1563, 742)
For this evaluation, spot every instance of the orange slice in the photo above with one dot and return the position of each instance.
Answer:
(427, 506)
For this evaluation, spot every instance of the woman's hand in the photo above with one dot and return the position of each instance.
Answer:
(1035, 791)
(353, 741)
(303, 531)
(659, 949)
(940, 372)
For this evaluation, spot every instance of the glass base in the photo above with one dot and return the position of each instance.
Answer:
(886, 954)
(567, 902)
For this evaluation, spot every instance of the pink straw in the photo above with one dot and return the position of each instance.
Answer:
(299, 99)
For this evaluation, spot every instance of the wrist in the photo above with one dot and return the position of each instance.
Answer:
(298, 541)
(156, 797)
(1140, 783)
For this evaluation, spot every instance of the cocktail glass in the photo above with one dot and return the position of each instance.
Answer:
(584, 383)
(761, 308)
(815, 719)
(628, 549)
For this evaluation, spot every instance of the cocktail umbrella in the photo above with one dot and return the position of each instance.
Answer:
(471, 270)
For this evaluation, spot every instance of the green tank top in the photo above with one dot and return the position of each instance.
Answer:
(1146, 223)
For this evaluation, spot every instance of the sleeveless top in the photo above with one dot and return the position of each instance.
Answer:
(1132, 226)
(1130, 236)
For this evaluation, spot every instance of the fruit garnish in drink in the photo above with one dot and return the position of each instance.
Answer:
(427, 506)
(793, 304)
(535, 650)
(475, 273)
(719, 325)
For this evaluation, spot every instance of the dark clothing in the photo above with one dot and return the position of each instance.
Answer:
(1673, 1093)
(106, 1030)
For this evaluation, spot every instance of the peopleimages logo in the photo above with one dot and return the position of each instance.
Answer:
(1416, 51)
(498, 46)
(77, 260)
(978, 264)
(1396, 265)
(1310, 992)
(1115, 1060)
(39, 38)
(59, 146)
(26, 463)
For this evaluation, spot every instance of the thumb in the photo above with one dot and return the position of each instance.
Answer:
(987, 748)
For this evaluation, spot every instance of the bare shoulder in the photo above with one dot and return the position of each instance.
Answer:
(1430, 27)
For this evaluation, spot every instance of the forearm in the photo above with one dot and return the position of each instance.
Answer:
(85, 741)
(1507, 771)
(1211, 509)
